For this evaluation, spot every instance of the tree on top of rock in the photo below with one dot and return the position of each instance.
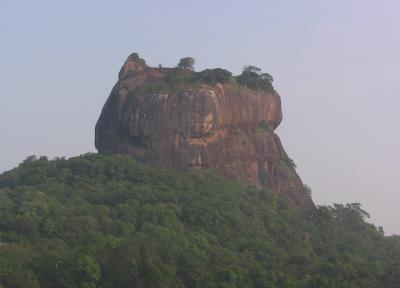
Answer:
(254, 79)
(186, 63)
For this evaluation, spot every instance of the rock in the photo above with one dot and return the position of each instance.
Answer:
(226, 127)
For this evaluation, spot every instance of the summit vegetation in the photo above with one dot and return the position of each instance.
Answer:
(178, 79)
(108, 221)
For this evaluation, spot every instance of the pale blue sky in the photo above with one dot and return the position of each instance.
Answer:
(335, 64)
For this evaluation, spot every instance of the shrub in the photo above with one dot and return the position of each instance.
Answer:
(214, 76)
(254, 79)
(173, 81)
(186, 63)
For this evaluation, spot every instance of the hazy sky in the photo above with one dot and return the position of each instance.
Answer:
(335, 63)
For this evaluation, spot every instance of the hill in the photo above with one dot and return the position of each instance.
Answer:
(109, 221)
(183, 120)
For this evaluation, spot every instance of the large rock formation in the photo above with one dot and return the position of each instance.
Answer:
(225, 127)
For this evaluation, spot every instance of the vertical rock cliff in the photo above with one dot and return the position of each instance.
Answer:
(225, 127)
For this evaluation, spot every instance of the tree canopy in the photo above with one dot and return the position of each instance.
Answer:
(253, 78)
(108, 221)
(187, 63)
(214, 76)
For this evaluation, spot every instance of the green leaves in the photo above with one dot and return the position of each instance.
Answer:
(186, 63)
(214, 76)
(255, 80)
(108, 221)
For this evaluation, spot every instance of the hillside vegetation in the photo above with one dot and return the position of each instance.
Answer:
(108, 221)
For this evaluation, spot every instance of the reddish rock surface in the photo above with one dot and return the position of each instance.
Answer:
(228, 128)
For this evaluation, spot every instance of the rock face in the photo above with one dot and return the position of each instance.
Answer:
(228, 128)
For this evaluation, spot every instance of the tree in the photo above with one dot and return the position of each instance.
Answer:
(252, 69)
(254, 79)
(267, 77)
(186, 63)
(102, 220)
(214, 76)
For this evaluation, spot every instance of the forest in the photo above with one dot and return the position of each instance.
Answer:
(108, 221)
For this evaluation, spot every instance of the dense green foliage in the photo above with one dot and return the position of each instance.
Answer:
(214, 76)
(108, 221)
(176, 79)
(186, 63)
(173, 81)
(254, 79)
